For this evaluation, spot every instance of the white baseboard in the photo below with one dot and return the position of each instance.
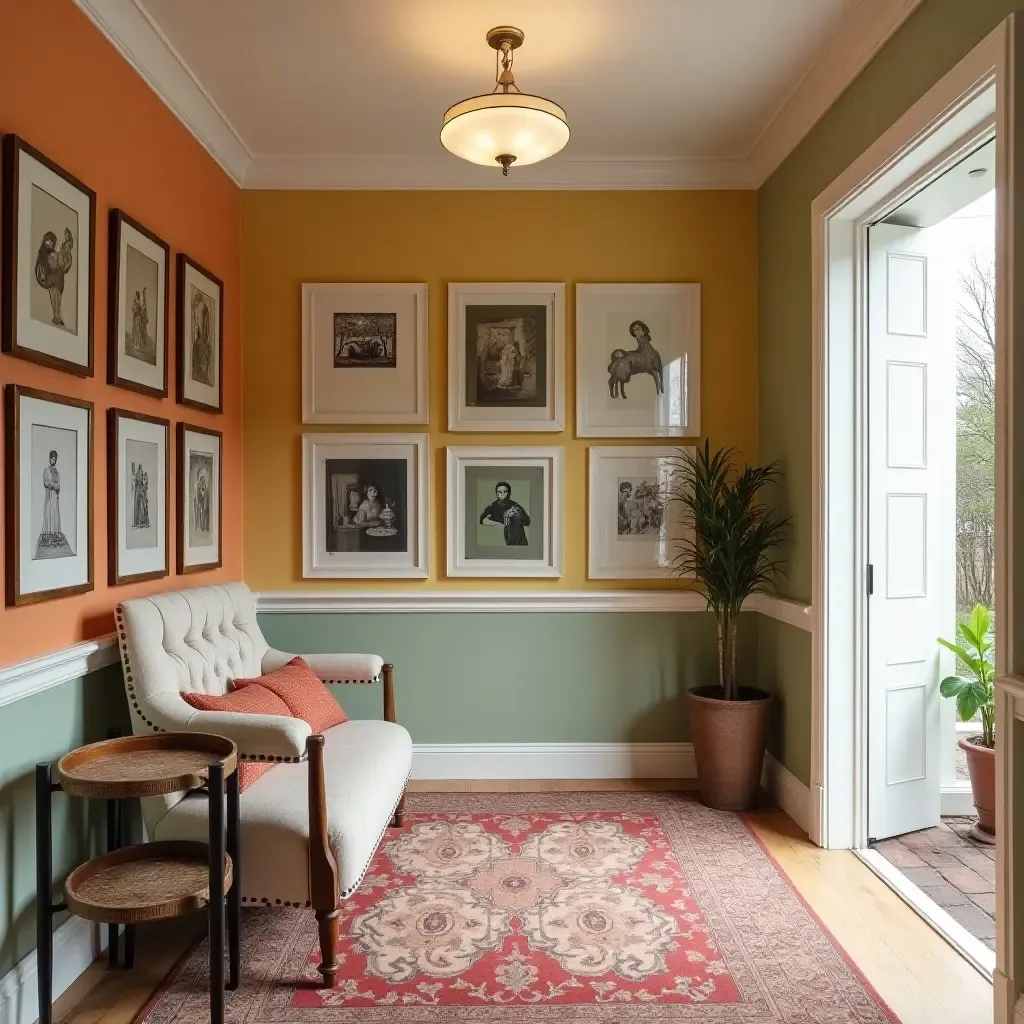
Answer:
(788, 791)
(957, 801)
(76, 944)
(553, 761)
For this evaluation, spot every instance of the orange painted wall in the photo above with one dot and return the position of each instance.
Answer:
(66, 90)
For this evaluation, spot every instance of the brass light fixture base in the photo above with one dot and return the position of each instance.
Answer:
(505, 34)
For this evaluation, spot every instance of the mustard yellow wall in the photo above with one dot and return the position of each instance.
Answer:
(437, 237)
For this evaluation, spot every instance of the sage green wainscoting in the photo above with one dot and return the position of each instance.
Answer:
(784, 669)
(39, 728)
(542, 677)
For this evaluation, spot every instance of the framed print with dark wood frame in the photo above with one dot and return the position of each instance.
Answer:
(365, 506)
(137, 315)
(637, 360)
(49, 246)
(633, 528)
(199, 499)
(138, 491)
(49, 495)
(506, 357)
(200, 317)
(364, 353)
(505, 512)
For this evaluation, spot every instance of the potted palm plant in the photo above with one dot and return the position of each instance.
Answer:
(975, 693)
(733, 552)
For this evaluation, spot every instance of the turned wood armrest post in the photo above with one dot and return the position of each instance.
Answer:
(389, 716)
(323, 868)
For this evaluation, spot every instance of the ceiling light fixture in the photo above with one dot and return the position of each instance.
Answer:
(977, 172)
(505, 126)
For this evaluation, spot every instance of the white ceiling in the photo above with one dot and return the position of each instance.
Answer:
(659, 93)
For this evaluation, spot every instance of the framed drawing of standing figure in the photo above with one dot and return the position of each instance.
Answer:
(138, 485)
(49, 495)
(49, 220)
(199, 499)
(137, 317)
(200, 332)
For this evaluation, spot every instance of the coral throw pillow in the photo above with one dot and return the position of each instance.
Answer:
(301, 689)
(253, 700)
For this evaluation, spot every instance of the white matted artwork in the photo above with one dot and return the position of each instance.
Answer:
(634, 531)
(505, 511)
(638, 360)
(200, 336)
(49, 502)
(506, 357)
(364, 353)
(200, 496)
(48, 253)
(365, 506)
(138, 478)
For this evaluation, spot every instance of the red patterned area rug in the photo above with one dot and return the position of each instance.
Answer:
(547, 908)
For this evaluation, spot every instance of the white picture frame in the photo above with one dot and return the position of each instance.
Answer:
(623, 331)
(379, 377)
(533, 398)
(349, 482)
(200, 498)
(629, 537)
(473, 472)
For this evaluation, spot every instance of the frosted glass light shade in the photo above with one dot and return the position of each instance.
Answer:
(483, 128)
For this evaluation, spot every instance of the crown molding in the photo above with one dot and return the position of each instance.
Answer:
(138, 39)
(444, 171)
(864, 32)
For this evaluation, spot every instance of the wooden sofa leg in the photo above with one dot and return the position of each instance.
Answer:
(323, 869)
(399, 817)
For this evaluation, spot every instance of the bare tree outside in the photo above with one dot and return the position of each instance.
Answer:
(976, 437)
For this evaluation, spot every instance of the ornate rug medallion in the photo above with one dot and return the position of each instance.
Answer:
(591, 908)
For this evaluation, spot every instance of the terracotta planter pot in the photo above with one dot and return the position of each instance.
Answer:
(728, 745)
(981, 763)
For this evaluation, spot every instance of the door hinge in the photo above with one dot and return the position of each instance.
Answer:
(870, 579)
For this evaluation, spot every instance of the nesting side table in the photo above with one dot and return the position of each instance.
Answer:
(149, 881)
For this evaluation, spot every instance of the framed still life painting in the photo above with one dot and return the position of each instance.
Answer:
(637, 360)
(200, 493)
(364, 353)
(506, 357)
(200, 336)
(137, 317)
(138, 489)
(634, 527)
(48, 251)
(365, 506)
(49, 495)
(505, 512)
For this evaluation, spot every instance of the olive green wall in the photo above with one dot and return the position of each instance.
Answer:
(489, 677)
(930, 43)
(40, 728)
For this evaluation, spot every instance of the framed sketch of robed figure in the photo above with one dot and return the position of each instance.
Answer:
(200, 316)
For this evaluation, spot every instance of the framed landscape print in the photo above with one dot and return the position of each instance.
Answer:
(506, 357)
(634, 530)
(200, 493)
(200, 336)
(364, 353)
(138, 490)
(49, 238)
(637, 360)
(137, 317)
(365, 506)
(505, 512)
(49, 495)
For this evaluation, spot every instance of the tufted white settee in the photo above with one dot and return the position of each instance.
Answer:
(311, 825)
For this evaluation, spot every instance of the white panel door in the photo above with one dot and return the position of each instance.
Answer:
(911, 521)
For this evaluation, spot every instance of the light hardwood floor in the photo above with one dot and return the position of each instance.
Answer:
(922, 978)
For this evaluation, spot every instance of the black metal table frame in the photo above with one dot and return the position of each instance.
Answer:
(46, 787)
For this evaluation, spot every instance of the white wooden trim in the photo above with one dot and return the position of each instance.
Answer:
(553, 761)
(784, 609)
(787, 790)
(76, 944)
(24, 678)
(137, 37)
(957, 801)
(973, 950)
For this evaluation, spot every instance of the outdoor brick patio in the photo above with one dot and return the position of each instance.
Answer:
(955, 871)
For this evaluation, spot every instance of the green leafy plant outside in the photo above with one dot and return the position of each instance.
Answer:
(733, 548)
(975, 692)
